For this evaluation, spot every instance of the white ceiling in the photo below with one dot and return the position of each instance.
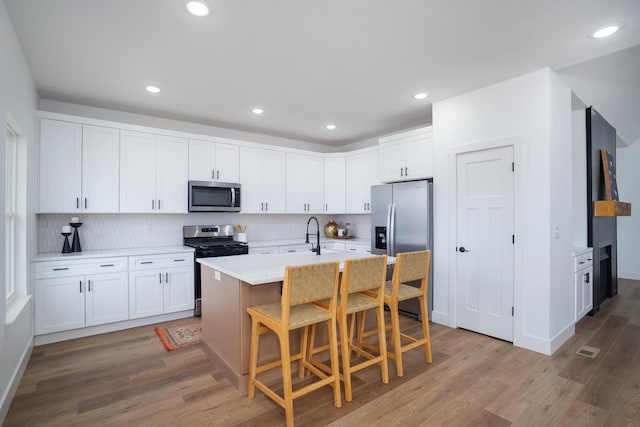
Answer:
(355, 63)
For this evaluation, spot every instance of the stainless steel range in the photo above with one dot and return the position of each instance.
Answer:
(210, 241)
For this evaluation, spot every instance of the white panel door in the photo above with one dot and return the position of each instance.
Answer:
(107, 298)
(485, 250)
(100, 169)
(59, 304)
(178, 289)
(172, 172)
(146, 293)
(334, 185)
(60, 164)
(137, 172)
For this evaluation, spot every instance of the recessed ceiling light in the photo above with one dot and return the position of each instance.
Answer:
(257, 111)
(606, 31)
(197, 7)
(421, 95)
(331, 126)
(152, 89)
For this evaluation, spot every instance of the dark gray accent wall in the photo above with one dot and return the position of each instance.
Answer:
(601, 230)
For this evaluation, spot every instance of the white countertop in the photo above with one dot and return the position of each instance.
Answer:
(266, 268)
(323, 240)
(57, 256)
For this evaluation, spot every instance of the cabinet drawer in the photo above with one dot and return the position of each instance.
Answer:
(79, 267)
(264, 250)
(295, 248)
(145, 262)
(582, 261)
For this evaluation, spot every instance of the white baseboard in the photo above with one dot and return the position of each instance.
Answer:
(12, 387)
(440, 318)
(547, 346)
(628, 275)
(109, 327)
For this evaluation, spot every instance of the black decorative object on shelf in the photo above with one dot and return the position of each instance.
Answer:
(76, 237)
(66, 249)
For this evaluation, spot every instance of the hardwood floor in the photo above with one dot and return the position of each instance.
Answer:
(128, 379)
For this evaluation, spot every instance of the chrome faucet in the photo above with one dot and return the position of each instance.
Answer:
(317, 248)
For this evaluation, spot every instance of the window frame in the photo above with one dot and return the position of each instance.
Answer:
(11, 182)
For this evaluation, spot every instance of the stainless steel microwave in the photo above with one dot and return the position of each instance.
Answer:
(213, 196)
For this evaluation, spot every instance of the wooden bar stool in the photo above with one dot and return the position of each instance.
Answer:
(409, 266)
(361, 288)
(303, 285)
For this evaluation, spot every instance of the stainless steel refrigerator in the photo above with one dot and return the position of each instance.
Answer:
(402, 221)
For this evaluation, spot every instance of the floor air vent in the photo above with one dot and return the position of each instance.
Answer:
(587, 351)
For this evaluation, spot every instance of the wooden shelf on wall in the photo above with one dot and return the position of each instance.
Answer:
(611, 208)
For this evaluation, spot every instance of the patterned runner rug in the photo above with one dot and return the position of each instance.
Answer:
(180, 336)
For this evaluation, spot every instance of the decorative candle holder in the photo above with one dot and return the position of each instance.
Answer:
(76, 237)
(66, 249)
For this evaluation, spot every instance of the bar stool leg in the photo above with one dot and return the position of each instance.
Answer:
(286, 377)
(425, 328)
(253, 357)
(335, 367)
(382, 344)
(346, 357)
(395, 335)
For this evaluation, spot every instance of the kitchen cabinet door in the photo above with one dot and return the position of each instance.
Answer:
(304, 183)
(146, 293)
(227, 163)
(59, 304)
(202, 164)
(262, 175)
(407, 156)
(137, 172)
(358, 183)
(172, 174)
(60, 167)
(335, 185)
(212, 161)
(178, 289)
(106, 298)
(100, 169)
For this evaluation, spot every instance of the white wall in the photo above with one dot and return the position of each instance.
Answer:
(17, 97)
(520, 109)
(628, 159)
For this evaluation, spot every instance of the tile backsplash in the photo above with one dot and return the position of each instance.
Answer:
(118, 231)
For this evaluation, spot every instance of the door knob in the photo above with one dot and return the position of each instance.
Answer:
(463, 250)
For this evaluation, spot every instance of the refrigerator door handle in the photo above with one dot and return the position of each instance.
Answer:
(391, 231)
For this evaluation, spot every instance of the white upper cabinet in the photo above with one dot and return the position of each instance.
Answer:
(262, 175)
(153, 173)
(407, 156)
(334, 184)
(60, 164)
(361, 173)
(100, 169)
(304, 183)
(213, 161)
(78, 168)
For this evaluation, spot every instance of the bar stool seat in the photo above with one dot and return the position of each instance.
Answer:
(302, 289)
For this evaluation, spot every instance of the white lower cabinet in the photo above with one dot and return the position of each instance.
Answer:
(160, 284)
(583, 282)
(75, 295)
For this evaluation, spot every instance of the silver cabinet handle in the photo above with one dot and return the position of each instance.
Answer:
(166, 277)
(85, 203)
(218, 174)
(89, 282)
(77, 202)
(159, 277)
(262, 206)
(107, 265)
(213, 173)
(291, 250)
(61, 269)
(326, 206)
(80, 286)
(406, 171)
(401, 173)
(266, 206)
(153, 204)
(179, 260)
(158, 204)
(146, 262)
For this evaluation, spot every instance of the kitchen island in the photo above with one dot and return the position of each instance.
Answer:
(229, 286)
